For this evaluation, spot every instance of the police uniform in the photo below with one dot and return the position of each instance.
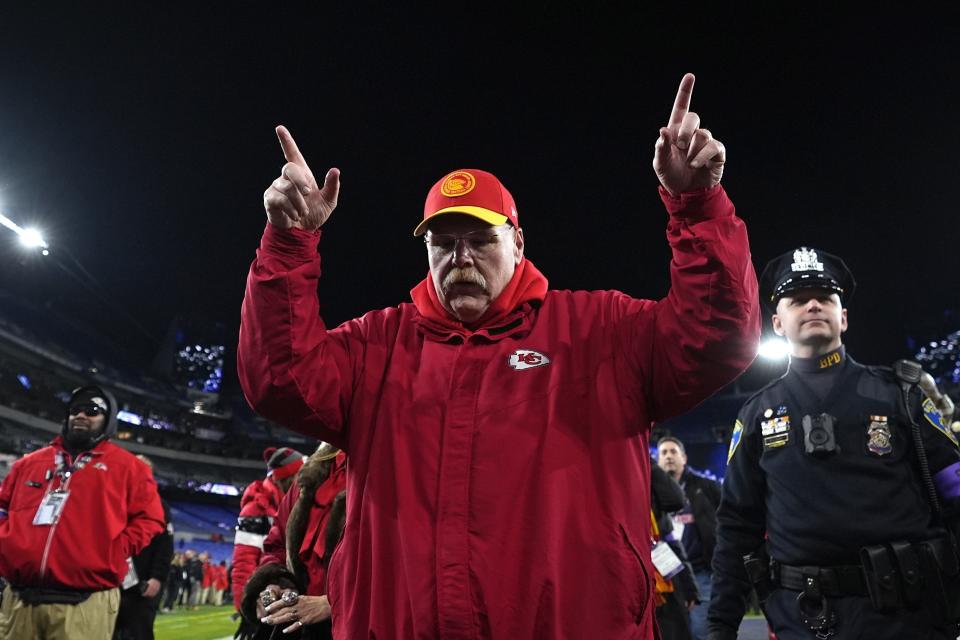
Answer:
(823, 467)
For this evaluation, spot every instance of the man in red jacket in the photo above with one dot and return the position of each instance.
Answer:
(497, 431)
(71, 515)
(258, 510)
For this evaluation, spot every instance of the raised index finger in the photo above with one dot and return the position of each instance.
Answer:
(290, 150)
(682, 103)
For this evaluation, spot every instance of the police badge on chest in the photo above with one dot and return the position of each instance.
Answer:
(879, 436)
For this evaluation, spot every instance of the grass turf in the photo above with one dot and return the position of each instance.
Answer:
(214, 623)
(206, 623)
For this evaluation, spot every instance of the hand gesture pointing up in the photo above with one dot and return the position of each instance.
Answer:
(687, 157)
(294, 199)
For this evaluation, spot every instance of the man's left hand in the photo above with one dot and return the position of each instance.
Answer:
(305, 611)
(686, 157)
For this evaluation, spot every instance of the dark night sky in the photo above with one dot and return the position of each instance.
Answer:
(141, 140)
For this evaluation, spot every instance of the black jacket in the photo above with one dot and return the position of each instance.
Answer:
(154, 561)
(666, 497)
(703, 494)
(820, 508)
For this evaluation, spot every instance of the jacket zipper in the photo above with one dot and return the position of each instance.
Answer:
(53, 528)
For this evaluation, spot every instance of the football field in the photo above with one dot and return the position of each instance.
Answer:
(206, 623)
(214, 623)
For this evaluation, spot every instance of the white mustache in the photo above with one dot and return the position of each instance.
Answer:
(469, 275)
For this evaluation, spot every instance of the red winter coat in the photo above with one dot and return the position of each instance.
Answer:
(209, 574)
(260, 498)
(498, 480)
(219, 577)
(112, 512)
(312, 548)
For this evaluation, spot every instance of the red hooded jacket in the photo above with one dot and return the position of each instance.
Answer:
(498, 479)
(112, 512)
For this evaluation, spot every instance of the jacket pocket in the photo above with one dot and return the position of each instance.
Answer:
(641, 596)
(332, 576)
(27, 498)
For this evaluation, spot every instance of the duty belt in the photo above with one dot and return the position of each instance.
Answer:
(837, 581)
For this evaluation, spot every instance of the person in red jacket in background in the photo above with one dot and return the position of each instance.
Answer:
(497, 429)
(297, 552)
(71, 515)
(209, 576)
(219, 583)
(258, 509)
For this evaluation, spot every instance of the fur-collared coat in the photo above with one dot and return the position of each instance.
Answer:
(307, 529)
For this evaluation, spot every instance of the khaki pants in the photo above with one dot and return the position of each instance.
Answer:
(92, 619)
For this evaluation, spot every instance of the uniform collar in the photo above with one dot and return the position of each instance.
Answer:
(831, 361)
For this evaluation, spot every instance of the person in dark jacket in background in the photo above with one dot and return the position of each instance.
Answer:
(673, 616)
(695, 524)
(194, 570)
(176, 583)
(143, 585)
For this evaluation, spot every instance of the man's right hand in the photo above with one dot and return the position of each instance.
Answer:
(294, 200)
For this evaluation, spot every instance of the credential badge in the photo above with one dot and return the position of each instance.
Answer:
(806, 260)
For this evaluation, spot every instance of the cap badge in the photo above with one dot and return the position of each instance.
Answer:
(458, 183)
(806, 260)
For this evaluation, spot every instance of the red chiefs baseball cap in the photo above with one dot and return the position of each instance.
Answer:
(472, 192)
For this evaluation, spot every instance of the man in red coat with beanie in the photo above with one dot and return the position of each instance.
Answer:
(258, 508)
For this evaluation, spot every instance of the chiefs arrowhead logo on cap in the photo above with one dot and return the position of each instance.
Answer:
(458, 183)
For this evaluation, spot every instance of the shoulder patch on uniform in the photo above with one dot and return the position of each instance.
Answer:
(934, 417)
(735, 440)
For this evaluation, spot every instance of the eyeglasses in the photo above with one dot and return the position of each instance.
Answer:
(480, 242)
(90, 410)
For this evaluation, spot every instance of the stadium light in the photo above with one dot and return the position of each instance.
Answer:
(773, 349)
(31, 238)
(28, 237)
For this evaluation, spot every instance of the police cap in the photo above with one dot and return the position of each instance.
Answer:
(805, 268)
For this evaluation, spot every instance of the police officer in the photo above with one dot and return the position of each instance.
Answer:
(844, 521)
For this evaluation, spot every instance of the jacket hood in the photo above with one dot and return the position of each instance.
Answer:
(110, 427)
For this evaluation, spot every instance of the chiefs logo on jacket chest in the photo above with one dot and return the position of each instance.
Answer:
(527, 359)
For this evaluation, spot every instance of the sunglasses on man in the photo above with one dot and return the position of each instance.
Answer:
(90, 410)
